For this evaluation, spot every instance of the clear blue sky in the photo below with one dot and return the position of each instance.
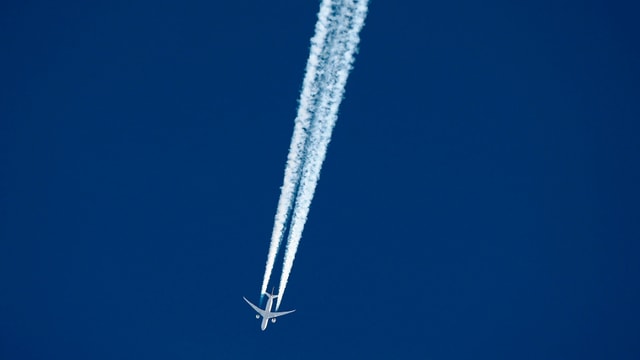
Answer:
(479, 199)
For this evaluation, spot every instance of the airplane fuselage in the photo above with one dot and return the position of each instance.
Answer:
(265, 320)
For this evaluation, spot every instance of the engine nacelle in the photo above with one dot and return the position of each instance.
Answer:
(273, 320)
(257, 316)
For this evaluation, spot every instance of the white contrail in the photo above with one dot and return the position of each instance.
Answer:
(296, 150)
(345, 24)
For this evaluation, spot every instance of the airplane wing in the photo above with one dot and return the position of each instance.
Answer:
(257, 309)
(276, 314)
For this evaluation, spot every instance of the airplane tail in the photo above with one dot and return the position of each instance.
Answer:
(271, 295)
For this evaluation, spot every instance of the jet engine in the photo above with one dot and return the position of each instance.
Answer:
(273, 320)
(257, 316)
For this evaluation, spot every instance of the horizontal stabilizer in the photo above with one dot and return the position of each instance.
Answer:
(271, 295)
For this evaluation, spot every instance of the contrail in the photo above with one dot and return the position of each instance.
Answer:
(344, 23)
(293, 168)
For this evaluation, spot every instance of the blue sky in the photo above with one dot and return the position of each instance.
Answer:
(478, 200)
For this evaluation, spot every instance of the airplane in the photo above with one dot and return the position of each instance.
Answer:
(267, 313)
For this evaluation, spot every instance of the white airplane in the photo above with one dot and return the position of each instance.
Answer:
(267, 313)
